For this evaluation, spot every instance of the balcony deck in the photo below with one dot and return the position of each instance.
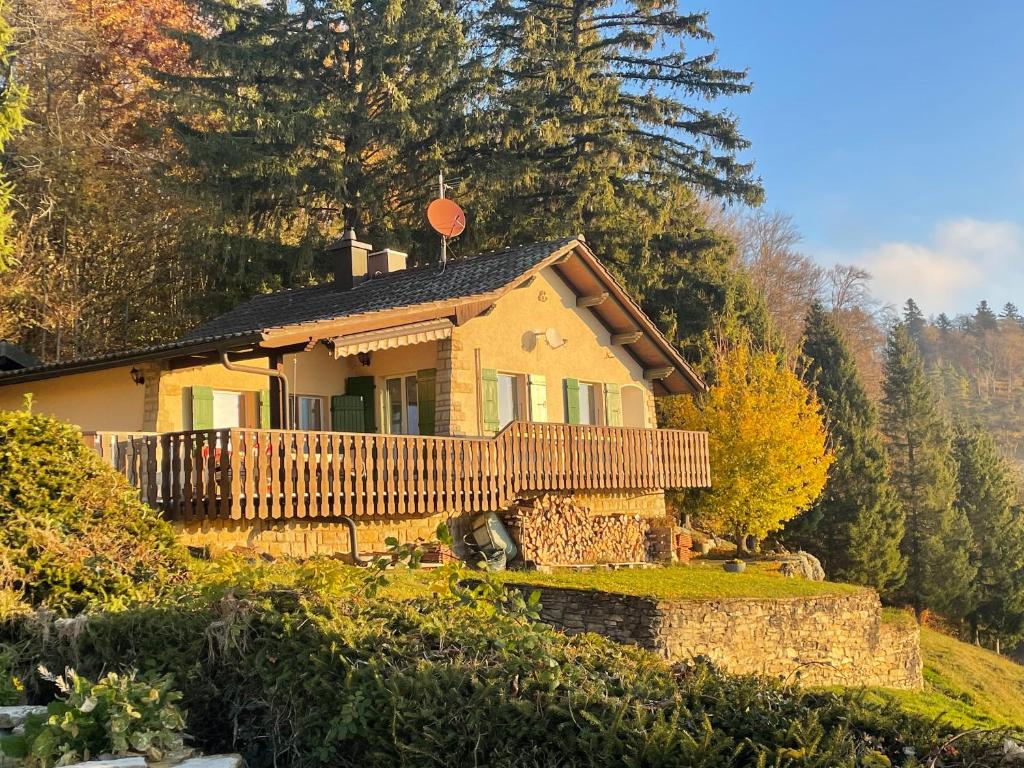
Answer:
(278, 474)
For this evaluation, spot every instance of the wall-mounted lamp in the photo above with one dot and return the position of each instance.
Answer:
(364, 359)
(137, 376)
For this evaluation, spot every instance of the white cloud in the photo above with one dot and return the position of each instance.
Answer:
(964, 261)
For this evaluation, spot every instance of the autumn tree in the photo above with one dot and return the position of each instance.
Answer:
(100, 259)
(12, 120)
(767, 439)
(938, 541)
(856, 526)
(787, 280)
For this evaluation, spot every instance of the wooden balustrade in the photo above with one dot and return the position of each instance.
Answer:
(257, 473)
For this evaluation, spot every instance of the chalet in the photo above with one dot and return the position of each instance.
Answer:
(390, 397)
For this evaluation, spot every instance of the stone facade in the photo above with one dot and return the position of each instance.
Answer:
(308, 537)
(826, 640)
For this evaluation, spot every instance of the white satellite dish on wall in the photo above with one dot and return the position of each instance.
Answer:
(553, 338)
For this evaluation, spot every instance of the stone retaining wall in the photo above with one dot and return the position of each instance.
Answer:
(827, 640)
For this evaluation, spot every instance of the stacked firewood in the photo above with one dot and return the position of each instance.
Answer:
(556, 530)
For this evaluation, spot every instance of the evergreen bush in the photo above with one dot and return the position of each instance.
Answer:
(73, 533)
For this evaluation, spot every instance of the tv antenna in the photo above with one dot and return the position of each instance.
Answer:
(446, 218)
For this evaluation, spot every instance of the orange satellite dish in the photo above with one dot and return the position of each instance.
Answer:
(446, 217)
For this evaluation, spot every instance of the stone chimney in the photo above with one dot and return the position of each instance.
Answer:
(386, 262)
(350, 257)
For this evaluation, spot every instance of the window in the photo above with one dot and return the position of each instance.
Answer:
(401, 405)
(588, 403)
(227, 409)
(508, 399)
(307, 412)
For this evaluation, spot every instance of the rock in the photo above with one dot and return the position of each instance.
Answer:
(213, 761)
(12, 717)
(1013, 752)
(114, 762)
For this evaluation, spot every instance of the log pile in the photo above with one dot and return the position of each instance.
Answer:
(556, 530)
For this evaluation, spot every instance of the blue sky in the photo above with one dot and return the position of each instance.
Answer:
(893, 132)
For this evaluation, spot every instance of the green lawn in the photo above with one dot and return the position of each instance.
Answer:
(696, 581)
(969, 686)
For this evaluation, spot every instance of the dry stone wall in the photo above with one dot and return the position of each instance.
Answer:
(827, 640)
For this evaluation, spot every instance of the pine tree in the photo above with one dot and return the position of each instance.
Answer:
(984, 318)
(937, 541)
(856, 526)
(986, 496)
(944, 324)
(1010, 312)
(12, 103)
(913, 318)
(297, 111)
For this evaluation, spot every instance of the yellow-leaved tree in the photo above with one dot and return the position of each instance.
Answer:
(769, 456)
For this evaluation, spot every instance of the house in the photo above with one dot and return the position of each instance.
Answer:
(390, 397)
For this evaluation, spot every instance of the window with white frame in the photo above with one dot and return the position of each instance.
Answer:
(590, 411)
(509, 387)
(401, 405)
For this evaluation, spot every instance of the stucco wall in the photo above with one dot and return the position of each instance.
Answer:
(504, 339)
(99, 400)
(827, 640)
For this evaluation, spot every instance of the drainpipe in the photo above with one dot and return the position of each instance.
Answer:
(226, 362)
(286, 411)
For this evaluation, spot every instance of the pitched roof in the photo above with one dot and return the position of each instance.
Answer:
(298, 316)
(460, 279)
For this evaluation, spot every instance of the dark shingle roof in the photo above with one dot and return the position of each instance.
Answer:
(461, 279)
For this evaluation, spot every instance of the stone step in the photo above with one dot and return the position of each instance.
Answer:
(203, 761)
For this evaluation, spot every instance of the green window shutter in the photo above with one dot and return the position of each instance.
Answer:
(363, 386)
(613, 405)
(489, 398)
(202, 407)
(538, 386)
(264, 409)
(348, 413)
(572, 401)
(426, 395)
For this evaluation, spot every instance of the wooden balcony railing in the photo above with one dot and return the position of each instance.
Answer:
(249, 473)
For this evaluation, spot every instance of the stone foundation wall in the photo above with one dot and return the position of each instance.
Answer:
(302, 538)
(829, 640)
(307, 537)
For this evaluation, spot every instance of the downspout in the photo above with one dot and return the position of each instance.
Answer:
(286, 410)
(226, 362)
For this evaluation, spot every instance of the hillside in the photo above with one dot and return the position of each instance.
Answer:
(970, 686)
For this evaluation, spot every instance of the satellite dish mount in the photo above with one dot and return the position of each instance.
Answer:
(446, 218)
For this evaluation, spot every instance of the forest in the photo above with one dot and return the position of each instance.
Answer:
(164, 160)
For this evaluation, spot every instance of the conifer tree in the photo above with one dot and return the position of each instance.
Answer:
(987, 495)
(984, 317)
(12, 103)
(944, 324)
(856, 526)
(913, 318)
(298, 111)
(1010, 312)
(937, 541)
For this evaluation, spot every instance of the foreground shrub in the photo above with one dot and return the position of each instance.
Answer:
(290, 677)
(119, 715)
(72, 530)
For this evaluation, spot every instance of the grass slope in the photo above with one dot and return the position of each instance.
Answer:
(697, 581)
(969, 686)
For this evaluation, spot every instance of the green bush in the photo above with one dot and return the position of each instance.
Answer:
(72, 530)
(290, 677)
(119, 715)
